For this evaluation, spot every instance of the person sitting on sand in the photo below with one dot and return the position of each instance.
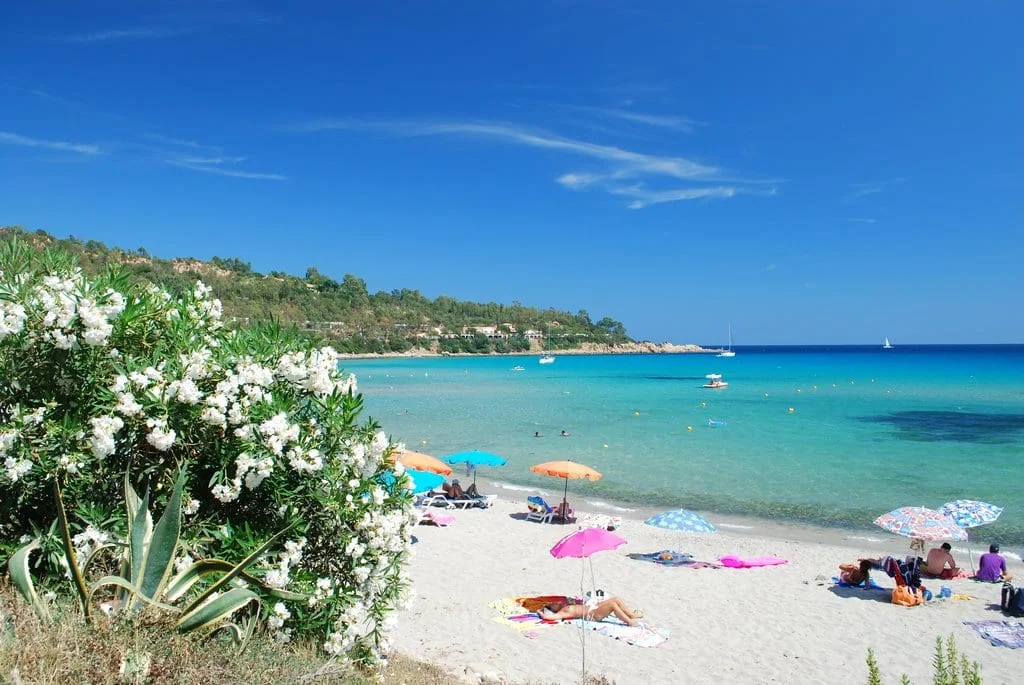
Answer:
(938, 560)
(855, 574)
(992, 566)
(564, 511)
(598, 612)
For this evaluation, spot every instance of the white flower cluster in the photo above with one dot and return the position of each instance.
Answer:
(12, 318)
(16, 468)
(316, 372)
(348, 628)
(159, 436)
(276, 623)
(291, 556)
(104, 428)
(62, 299)
(88, 541)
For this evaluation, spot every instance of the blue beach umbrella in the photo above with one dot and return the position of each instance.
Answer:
(474, 459)
(683, 520)
(422, 481)
(969, 513)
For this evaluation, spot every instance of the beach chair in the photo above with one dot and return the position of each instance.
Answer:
(432, 499)
(539, 510)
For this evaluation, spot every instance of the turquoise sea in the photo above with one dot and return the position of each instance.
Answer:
(831, 436)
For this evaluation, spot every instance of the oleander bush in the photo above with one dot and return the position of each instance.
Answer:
(103, 382)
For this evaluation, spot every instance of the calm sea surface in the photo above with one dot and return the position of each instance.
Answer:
(832, 436)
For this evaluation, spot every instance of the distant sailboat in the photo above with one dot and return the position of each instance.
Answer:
(887, 345)
(728, 352)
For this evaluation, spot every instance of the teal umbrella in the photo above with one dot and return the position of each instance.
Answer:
(422, 481)
(473, 459)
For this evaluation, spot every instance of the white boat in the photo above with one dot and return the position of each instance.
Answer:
(728, 352)
(547, 359)
(518, 368)
(887, 345)
(715, 381)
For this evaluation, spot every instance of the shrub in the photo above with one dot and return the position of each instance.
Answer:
(99, 378)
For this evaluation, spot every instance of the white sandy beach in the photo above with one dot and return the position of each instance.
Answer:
(763, 625)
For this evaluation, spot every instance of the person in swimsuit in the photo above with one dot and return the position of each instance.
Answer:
(598, 612)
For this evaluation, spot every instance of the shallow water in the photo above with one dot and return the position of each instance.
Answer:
(829, 436)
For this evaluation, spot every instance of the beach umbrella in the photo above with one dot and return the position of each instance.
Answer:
(423, 462)
(566, 470)
(683, 520)
(474, 459)
(421, 481)
(969, 513)
(586, 541)
(921, 523)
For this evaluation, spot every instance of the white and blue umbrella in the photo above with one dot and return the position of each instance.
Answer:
(474, 459)
(970, 513)
(683, 520)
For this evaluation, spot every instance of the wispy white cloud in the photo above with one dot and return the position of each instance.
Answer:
(861, 220)
(861, 190)
(58, 145)
(677, 123)
(642, 197)
(771, 267)
(134, 33)
(216, 165)
(620, 164)
(179, 142)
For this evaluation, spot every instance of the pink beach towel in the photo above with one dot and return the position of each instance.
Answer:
(437, 518)
(732, 561)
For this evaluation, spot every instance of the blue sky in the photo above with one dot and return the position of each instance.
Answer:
(828, 172)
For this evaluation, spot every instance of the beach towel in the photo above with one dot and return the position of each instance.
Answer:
(668, 557)
(640, 636)
(511, 614)
(732, 561)
(437, 518)
(1000, 633)
(872, 585)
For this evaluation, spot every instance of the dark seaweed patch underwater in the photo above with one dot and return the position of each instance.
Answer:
(953, 426)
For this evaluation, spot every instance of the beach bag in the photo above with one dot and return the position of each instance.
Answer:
(1012, 601)
(905, 596)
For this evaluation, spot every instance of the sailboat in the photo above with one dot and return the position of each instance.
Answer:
(728, 352)
(887, 345)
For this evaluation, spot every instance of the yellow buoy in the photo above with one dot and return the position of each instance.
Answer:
(423, 442)
(703, 404)
(636, 413)
(689, 428)
(791, 410)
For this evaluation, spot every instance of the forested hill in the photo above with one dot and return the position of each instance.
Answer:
(345, 311)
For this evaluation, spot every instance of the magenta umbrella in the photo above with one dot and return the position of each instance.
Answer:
(585, 542)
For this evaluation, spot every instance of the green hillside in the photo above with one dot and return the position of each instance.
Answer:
(346, 312)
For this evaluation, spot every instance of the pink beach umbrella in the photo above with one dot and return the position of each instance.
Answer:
(585, 542)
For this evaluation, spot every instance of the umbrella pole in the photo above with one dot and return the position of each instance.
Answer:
(565, 495)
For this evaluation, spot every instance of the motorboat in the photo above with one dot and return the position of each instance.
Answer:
(715, 382)
(547, 359)
(518, 368)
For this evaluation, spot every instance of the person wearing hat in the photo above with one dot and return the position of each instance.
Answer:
(992, 566)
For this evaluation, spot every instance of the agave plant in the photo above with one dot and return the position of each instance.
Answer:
(146, 578)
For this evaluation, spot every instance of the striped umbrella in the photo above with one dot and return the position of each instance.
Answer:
(682, 520)
(921, 523)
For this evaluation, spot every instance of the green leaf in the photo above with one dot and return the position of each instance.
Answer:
(17, 569)
(69, 550)
(208, 615)
(141, 533)
(162, 544)
(234, 572)
(182, 582)
(131, 591)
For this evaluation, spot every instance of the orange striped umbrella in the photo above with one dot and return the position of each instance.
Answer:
(423, 462)
(567, 470)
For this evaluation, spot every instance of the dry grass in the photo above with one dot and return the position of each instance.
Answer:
(69, 651)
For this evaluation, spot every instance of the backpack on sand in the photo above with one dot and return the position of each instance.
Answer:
(1012, 600)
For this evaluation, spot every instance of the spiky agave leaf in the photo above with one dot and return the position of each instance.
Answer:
(17, 569)
(69, 550)
(206, 616)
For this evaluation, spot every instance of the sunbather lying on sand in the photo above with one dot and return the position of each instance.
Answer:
(613, 605)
